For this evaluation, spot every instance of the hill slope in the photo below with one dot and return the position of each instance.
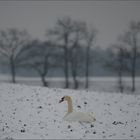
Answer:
(34, 112)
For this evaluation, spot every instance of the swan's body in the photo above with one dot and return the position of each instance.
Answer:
(75, 116)
(79, 116)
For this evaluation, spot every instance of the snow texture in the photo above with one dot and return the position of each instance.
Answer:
(29, 112)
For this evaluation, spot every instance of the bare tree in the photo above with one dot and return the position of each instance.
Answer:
(40, 58)
(76, 61)
(89, 38)
(120, 59)
(118, 55)
(131, 39)
(63, 32)
(12, 42)
(76, 50)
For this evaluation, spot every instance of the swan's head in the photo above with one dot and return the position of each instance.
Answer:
(65, 98)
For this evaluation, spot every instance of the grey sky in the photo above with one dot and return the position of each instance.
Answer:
(111, 18)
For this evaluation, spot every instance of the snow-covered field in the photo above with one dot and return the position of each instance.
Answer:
(34, 112)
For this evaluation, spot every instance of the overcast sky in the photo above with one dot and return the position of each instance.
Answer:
(110, 18)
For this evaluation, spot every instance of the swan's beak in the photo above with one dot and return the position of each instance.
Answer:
(62, 99)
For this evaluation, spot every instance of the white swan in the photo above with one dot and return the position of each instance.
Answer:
(76, 116)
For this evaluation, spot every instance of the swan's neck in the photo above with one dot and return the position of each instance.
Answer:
(70, 108)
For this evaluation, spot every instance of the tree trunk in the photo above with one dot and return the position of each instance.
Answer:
(120, 82)
(121, 68)
(66, 72)
(74, 67)
(44, 82)
(134, 65)
(76, 84)
(133, 74)
(13, 70)
(87, 68)
(75, 80)
(133, 82)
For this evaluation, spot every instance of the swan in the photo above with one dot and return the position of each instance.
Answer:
(75, 116)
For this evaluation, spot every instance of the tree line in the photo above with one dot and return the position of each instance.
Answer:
(126, 54)
(69, 45)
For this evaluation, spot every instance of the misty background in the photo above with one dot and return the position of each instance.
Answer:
(70, 39)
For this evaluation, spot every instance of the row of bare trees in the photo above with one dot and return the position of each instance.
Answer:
(67, 45)
(75, 40)
(125, 53)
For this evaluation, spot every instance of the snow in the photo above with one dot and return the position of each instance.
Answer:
(29, 112)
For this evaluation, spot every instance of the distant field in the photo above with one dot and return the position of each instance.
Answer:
(102, 84)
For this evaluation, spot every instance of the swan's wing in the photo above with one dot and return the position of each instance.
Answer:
(79, 116)
(74, 116)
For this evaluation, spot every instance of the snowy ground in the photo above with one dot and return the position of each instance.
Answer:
(34, 112)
